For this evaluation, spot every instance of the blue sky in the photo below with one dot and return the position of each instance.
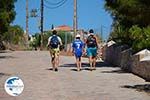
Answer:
(91, 14)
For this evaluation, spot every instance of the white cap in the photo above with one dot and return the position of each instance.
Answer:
(78, 35)
(91, 33)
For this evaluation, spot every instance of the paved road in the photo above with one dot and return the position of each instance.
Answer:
(106, 83)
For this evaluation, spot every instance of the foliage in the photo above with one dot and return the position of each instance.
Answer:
(140, 37)
(131, 22)
(129, 12)
(65, 35)
(14, 35)
(36, 41)
(46, 35)
(7, 15)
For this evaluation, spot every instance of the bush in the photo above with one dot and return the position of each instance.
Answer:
(140, 37)
(47, 34)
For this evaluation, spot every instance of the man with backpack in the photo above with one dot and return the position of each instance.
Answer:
(77, 50)
(91, 50)
(54, 43)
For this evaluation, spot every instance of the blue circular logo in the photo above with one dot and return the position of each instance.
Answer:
(14, 86)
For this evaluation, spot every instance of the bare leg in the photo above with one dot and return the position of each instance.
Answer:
(80, 64)
(77, 63)
(94, 62)
(52, 60)
(57, 61)
(90, 62)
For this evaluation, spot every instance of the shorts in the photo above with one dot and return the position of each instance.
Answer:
(78, 54)
(54, 52)
(91, 52)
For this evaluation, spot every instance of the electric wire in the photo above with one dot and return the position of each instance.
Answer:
(56, 6)
(52, 3)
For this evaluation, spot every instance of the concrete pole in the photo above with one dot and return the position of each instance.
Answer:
(27, 20)
(75, 18)
(42, 10)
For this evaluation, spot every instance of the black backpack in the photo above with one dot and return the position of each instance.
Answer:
(91, 41)
(54, 42)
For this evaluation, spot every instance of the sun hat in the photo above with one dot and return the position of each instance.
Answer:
(78, 35)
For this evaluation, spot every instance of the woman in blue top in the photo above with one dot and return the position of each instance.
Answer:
(78, 47)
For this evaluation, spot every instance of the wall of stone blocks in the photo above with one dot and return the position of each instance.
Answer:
(120, 56)
(141, 68)
(126, 60)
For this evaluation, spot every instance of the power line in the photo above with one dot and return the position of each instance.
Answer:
(54, 7)
(52, 3)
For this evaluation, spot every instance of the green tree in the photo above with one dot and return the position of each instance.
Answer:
(140, 37)
(130, 22)
(129, 12)
(7, 15)
(14, 35)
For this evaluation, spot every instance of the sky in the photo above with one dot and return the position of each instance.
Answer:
(91, 15)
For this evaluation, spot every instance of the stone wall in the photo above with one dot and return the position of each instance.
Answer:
(145, 67)
(113, 53)
(126, 59)
(138, 64)
(141, 64)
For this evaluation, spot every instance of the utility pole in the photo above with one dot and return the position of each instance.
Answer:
(42, 10)
(102, 32)
(75, 18)
(27, 19)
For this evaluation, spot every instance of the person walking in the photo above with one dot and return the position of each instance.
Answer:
(77, 50)
(54, 43)
(91, 50)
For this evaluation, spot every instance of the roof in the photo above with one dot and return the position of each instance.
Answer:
(63, 28)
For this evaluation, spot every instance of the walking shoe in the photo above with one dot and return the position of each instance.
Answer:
(56, 69)
(78, 70)
(94, 68)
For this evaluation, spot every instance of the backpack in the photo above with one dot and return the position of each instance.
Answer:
(54, 42)
(91, 41)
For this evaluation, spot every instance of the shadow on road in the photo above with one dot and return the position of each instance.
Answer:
(49, 69)
(119, 71)
(74, 70)
(98, 64)
(6, 57)
(74, 65)
(103, 64)
(140, 87)
(1, 51)
(4, 74)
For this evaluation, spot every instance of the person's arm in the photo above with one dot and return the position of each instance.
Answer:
(60, 41)
(72, 47)
(83, 47)
(96, 41)
(48, 41)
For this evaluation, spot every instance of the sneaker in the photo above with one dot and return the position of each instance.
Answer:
(94, 68)
(78, 70)
(56, 69)
(91, 69)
